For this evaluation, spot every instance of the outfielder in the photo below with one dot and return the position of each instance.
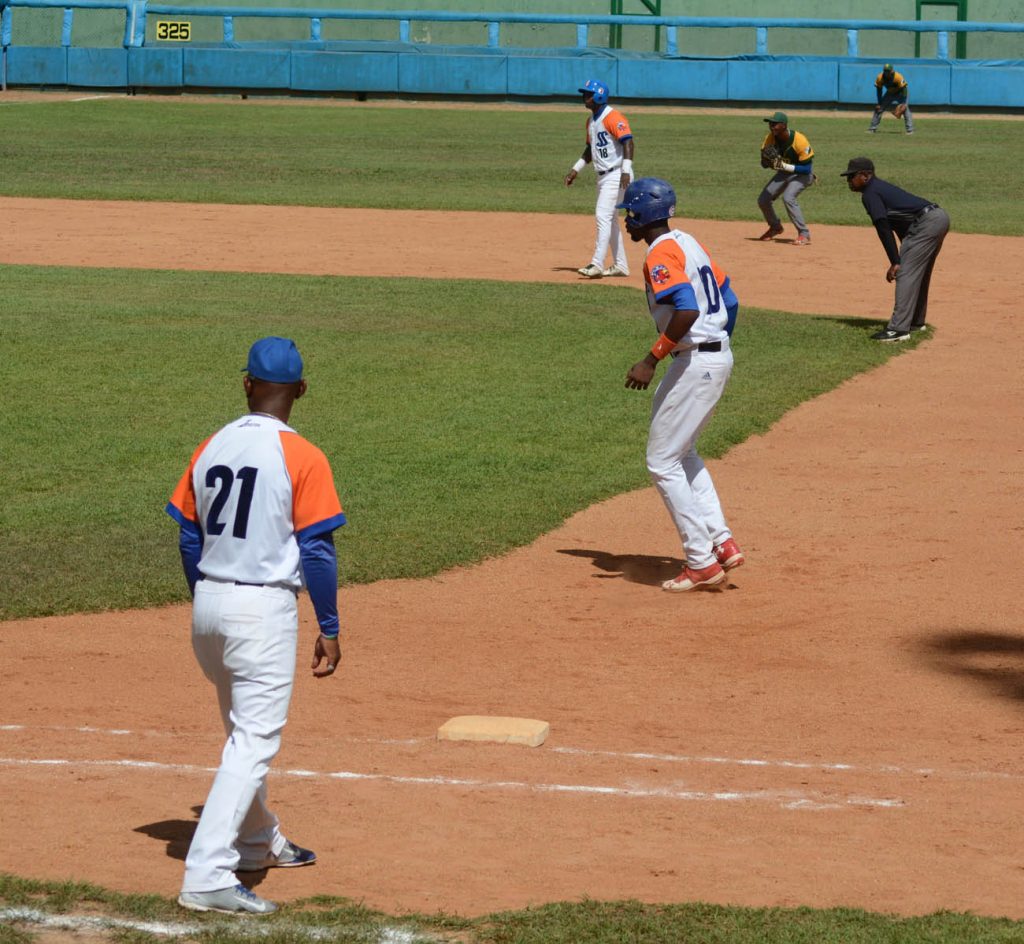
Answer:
(891, 91)
(790, 155)
(694, 309)
(256, 508)
(610, 149)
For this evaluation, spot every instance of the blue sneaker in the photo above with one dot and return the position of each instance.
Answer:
(237, 900)
(290, 857)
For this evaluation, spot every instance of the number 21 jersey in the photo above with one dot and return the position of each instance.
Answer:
(253, 489)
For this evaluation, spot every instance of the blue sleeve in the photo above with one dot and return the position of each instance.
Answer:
(803, 168)
(732, 306)
(320, 568)
(681, 297)
(190, 544)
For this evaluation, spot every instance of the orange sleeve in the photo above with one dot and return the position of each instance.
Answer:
(665, 268)
(315, 504)
(616, 124)
(184, 497)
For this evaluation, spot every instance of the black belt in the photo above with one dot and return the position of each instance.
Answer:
(601, 173)
(243, 583)
(927, 209)
(706, 346)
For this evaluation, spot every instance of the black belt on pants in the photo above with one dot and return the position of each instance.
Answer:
(927, 209)
(601, 173)
(245, 583)
(707, 346)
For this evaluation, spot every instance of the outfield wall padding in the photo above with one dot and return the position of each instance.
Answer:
(408, 69)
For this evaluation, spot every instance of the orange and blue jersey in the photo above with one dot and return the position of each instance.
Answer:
(680, 275)
(606, 133)
(257, 505)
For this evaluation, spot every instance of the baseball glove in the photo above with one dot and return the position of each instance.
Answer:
(769, 155)
(899, 110)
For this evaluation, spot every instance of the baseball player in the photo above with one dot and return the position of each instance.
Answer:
(694, 309)
(921, 227)
(891, 91)
(789, 154)
(256, 508)
(610, 149)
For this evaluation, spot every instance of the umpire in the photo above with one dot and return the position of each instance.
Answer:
(921, 227)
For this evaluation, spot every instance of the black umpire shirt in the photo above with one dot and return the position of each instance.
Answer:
(892, 211)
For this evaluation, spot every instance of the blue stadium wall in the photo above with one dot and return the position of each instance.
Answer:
(420, 69)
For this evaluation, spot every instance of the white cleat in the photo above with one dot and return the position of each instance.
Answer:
(615, 271)
(591, 271)
(236, 900)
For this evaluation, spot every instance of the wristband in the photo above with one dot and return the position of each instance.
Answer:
(663, 346)
(579, 165)
(627, 167)
(788, 168)
(329, 636)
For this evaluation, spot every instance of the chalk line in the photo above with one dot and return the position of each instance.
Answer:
(786, 799)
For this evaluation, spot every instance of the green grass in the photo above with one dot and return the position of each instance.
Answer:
(339, 920)
(462, 418)
(459, 159)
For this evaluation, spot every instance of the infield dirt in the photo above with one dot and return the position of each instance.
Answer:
(842, 726)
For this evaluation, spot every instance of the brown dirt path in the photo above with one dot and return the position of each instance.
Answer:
(842, 726)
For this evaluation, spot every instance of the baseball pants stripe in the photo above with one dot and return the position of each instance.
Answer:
(245, 640)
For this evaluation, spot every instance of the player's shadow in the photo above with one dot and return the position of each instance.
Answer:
(177, 833)
(576, 270)
(647, 569)
(868, 326)
(993, 660)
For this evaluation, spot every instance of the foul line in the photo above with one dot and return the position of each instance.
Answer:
(799, 765)
(894, 769)
(237, 927)
(786, 799)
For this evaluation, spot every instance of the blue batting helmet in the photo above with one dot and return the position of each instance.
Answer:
(648, 200)
(598, 89)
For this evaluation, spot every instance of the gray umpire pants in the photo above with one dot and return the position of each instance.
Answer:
(789, 187)
(918, 252)
(890, 100)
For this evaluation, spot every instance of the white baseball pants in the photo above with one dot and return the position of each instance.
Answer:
(683, 403)
(244, 638)
(609, 232)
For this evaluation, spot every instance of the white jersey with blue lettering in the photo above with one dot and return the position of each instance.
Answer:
(680, 275)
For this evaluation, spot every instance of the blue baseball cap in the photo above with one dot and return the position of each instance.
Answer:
(276, 360)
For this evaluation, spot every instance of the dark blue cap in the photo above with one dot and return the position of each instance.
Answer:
(276, 360)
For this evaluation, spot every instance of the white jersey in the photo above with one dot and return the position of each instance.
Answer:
(606, 133)
(680, 275)
(253, 489)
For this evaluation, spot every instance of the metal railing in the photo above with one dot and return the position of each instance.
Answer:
(136, 12)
